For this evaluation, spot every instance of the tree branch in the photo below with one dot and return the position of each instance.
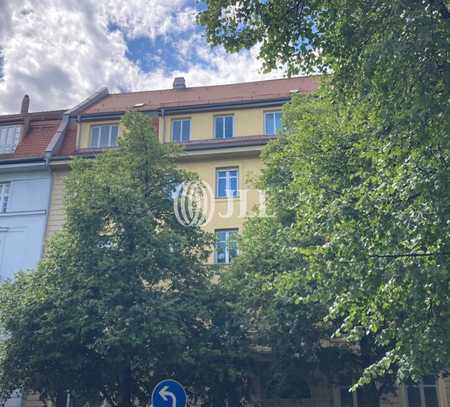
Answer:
(393, 256)
(442, 7)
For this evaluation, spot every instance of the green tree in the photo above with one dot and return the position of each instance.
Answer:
(122, 298)
(281, 312)
(364, 166)
(359, 227)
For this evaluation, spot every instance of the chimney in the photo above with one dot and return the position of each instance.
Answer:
(179, 83)
(25, 104)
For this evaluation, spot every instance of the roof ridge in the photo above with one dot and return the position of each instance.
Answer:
(215, 86)
(32, 115)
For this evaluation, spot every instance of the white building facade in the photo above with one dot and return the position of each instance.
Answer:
(24, 202)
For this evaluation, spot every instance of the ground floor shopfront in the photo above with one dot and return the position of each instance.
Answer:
(428, 393)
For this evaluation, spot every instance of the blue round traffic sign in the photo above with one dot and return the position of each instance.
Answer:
(169, 393)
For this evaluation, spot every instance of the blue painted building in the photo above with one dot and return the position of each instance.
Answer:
(25, 187)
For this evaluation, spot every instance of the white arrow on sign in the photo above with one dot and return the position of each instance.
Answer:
(165, 393)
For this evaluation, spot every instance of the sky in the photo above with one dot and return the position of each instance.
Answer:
(61, 51)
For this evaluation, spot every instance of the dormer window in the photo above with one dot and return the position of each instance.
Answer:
(104, 136)
(9, 138)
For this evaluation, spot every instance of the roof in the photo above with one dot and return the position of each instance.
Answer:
(68, 146)
(42, 127)
(204, 95)
(34, 116)
(39, 128)
(35, 142)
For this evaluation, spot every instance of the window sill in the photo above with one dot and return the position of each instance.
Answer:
(94, 150)
(223, 199)
(23, 213)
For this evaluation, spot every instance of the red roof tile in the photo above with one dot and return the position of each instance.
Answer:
(68, 146)
(34, 143)
(203, 95)
(37, 139)
(33, 116)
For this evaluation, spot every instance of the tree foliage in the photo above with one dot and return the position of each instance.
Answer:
(359, 228)
(360, 182)
(122, 298)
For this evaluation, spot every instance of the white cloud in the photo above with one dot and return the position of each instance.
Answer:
(149, 18)
(60, 51)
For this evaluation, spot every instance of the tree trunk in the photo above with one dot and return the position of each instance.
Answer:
(125, 388)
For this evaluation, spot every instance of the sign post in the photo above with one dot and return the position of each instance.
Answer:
(169, 393)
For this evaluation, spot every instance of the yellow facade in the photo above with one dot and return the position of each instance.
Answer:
(84, 132)
(56, 210)
(223, 213)
(227, 213)
(247, 122)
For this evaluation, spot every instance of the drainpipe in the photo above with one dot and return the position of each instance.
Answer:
(68, 399)
(57, 138)
(77, 145)
(49, 203)
(53, 145)
(163, 117)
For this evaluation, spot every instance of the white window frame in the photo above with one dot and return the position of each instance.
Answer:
(227, 177)
(228, 233)
(223, 116)
(181, 141)
(421, 386)
(272, 112)
(5, 189)
(99, 126)
(5, 146)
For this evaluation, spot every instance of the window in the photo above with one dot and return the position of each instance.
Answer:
(227, 183)
(104, 136)
(4, 196)
(9, 138)
(226, 245)
(365, 397)
(348, 399)
(272, 123)
(223, 126)
(181, 130)
(423, 394)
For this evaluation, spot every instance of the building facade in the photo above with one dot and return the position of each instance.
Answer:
(25, 183)
(25, 186)
(222, 130)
